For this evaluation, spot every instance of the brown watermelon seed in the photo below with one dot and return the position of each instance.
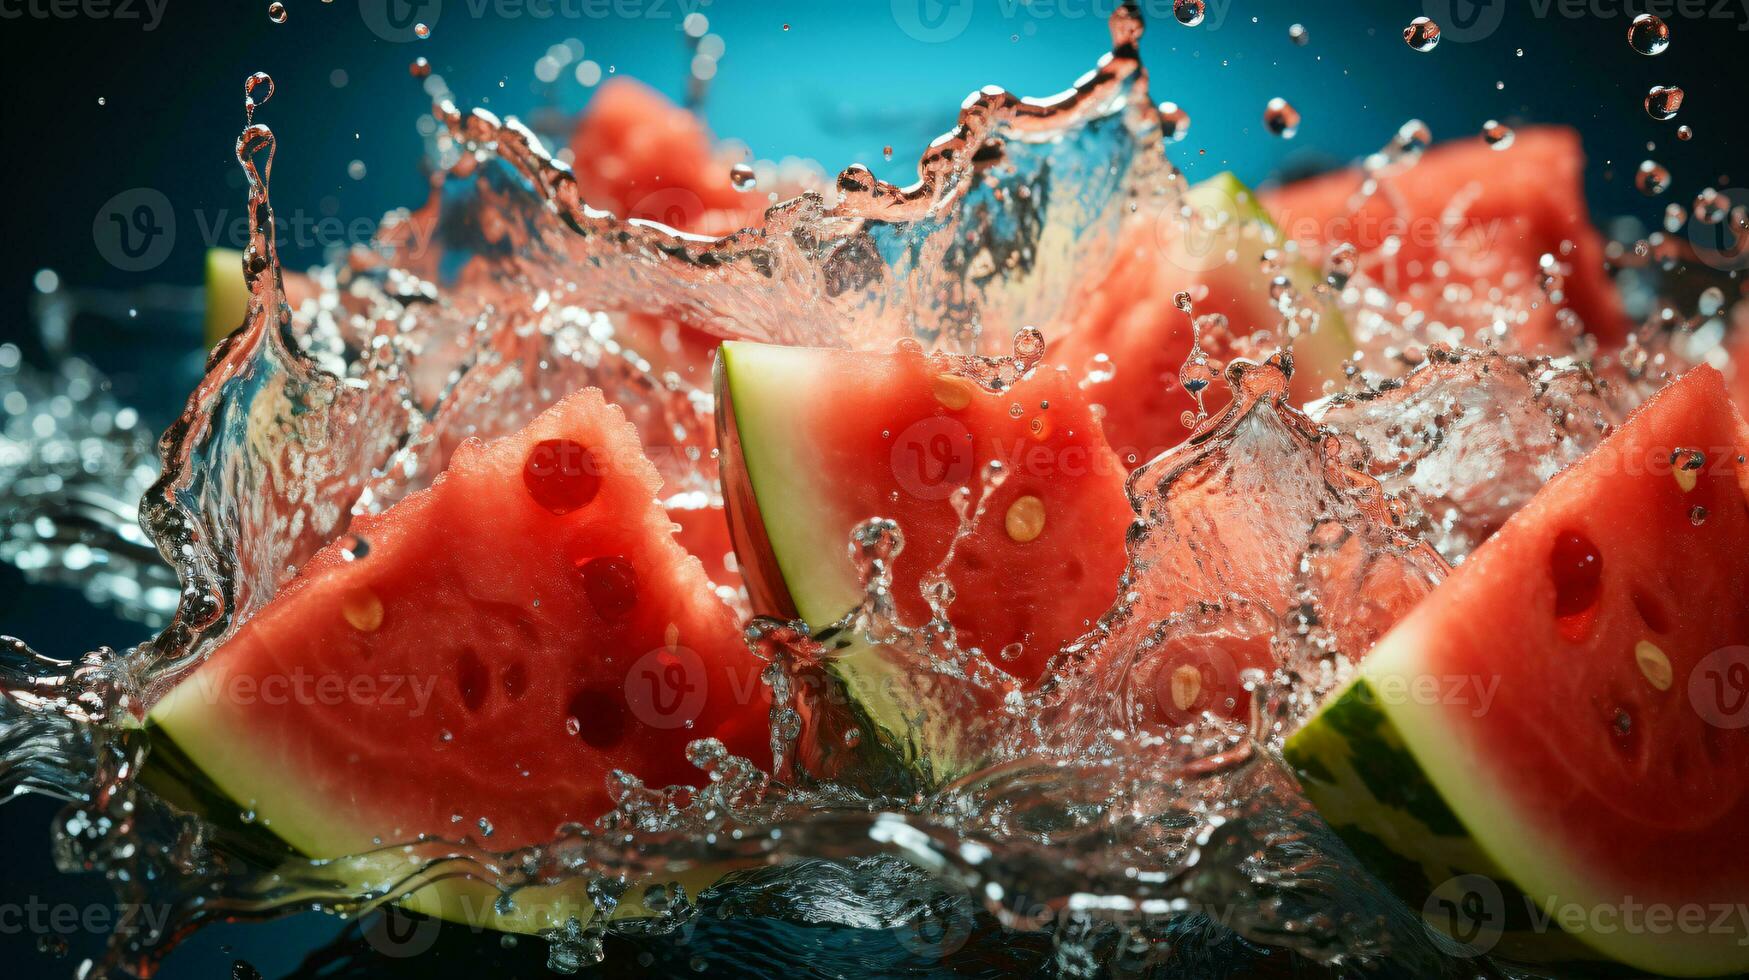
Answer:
(362, 610)
(952, 391)
(1025, 519)
(1653, 664)
(1186, 686)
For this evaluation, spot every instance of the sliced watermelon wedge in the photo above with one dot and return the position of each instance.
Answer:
(1130, 317)
(1560, 726)
(1489, 215)
(817, 441)
(478, 666)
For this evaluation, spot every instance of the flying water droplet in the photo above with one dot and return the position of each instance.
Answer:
(1663, 102)
(420, 68)
(1422, 34)
(353, 547)
(257, 89)
(1189, 12)
(1281, 118)
(1684, 133)
(421, 31)
(1497, 134)
(741, 175)
(1174, 121)
(1712, 300)
(276, 12)
(1711, 206)
(1341, 264)
(1297, 34)
(1648, 35)
(1652, 178)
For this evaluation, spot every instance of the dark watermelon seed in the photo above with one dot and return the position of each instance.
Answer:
(600, 716)
(472, 679)
(1651, 612)
(1576, 569)
(611, 584)
(562, 475)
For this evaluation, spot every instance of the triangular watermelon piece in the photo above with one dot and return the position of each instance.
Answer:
(1566, 719)
(477, 660)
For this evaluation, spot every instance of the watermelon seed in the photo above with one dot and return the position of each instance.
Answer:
(363, 610)
(952, 391)
(1186, 685)
(1697, 516)
(1653, 664)
(1025, 519)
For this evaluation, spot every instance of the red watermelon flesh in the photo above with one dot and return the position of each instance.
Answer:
(1497, 211)
(514, 633)
(831, 438)
(1612, 613)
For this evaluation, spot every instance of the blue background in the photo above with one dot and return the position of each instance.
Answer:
(844, 80)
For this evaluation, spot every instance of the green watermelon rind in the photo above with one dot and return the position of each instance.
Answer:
(1225, 193)
(927, 743)
(1399, 790)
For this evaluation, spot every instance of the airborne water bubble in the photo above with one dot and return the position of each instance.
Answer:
(741, 175)
(276, 12)
(1281, 118)
(1422, 34)
(1648, 35)
(1189, 12)
(1174, 121)
(1497, 134)
(1652, 178)
(1663, 102)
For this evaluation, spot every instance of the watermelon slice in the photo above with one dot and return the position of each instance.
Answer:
(1563, 719)
(499, 645)
(1129, 316)
(1489, 215)
(817, 441)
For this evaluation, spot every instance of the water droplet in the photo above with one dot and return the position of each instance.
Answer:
(1576, 568)
(1652, 178)
(1663, 101)
(1341, 264)
(1497, 134)
(887, 151)
(257, 89)
(742, 176)
(1195, 374)
(102, 101)
(1025, 519)
(1174, 121)
(1648, 35)
(353, 547)
(1181, 300)
(355, 170)
(1297, 34)
(1712, 300)
(1189, 12)
(1674, 215)
(420, 68)
(561, 475)
(1281, 118)
(1422, 34)
(276, 12)
(421, 31)
(485, 827)
(1711, 206)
